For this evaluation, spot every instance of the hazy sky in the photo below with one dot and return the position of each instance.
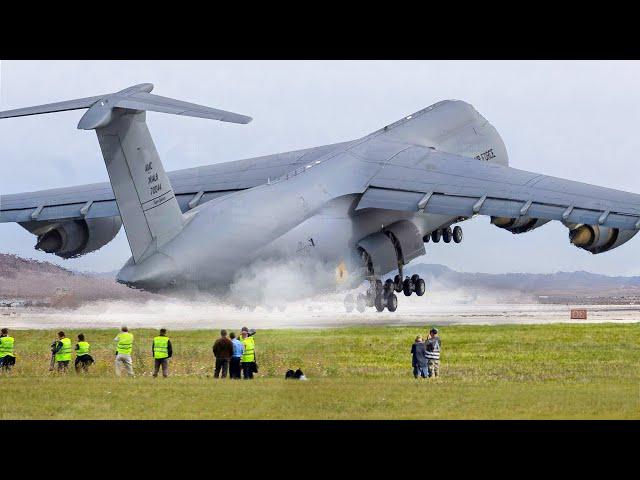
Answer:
(578, 120)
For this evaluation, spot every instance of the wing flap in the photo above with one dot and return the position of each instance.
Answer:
(463, 206)
(442, 183)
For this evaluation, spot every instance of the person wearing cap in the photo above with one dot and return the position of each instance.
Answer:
(419, 358)
(248, 359)
(433, 352)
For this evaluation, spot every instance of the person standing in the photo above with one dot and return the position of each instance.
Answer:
(248, 359)
(83, 357)
(238, 350)
(124, 347)
(162, 351)
(419, 358)
(52, 360)
(62, 351)
(223, 351)
(433, 353)
(7, 357)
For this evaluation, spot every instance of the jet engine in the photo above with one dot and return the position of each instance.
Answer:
(518, 225)
(597, 239)
(396, 245)
(74, 238)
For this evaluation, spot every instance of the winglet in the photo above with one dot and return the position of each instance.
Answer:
(137, 97)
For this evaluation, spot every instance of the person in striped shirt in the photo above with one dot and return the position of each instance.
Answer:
(433, 353)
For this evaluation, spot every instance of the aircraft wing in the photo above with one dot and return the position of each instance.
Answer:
(192, 186)
(424, 179)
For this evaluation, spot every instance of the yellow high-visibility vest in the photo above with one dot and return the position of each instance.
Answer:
(6, 347)
(249, 350)
(161, 347)
(64, 354)
(125, 343)
(83, 348)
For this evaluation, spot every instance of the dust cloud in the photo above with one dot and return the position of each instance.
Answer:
(303, 295)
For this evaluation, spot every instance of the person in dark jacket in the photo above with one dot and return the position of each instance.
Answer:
(419, 358)
(223, 351)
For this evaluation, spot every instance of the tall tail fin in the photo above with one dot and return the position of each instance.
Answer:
(145, 198)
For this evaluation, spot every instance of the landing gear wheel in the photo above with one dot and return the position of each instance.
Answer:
(389, 286)
(426, 238)
(457, 234)
(392, 302)
(421, 287)
(414, 278)
(380, 303)
(397, 283)
(447, 234)
(370, 297)
(435, 236)
(349, 303)
(361, 303)
(406, 287)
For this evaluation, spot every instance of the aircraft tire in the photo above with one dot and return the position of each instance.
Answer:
(392, 302)
(361, 303)
(447, 234)
(380, 303)
(397, 283)
(435, 236)
(421, 287)
(457, 234)
(406, 287)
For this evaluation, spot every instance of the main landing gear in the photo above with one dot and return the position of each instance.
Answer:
(446, 234)
(383, 295)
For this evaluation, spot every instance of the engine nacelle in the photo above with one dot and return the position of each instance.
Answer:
(597, 239)
(74, 238)
(396, 245)
(518, 225)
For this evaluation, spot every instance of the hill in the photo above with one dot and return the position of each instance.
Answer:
(25, 281)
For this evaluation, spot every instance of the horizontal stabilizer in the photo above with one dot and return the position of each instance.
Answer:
(52, 107)
(135, 98)
(156, 103)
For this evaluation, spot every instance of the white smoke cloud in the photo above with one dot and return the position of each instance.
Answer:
(275, 283)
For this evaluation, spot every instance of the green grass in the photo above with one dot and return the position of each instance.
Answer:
(510, 371)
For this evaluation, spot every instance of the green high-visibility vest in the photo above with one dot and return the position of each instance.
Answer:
(249, 350)
(83, 348)
(161, 347)
(6, 347)
(125, 343)
(64, 354)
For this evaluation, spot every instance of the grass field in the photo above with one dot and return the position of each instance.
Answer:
(564, 371)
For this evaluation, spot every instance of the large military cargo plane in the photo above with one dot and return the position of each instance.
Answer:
(363, 208)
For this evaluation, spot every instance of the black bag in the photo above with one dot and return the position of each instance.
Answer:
(298, 373)
(288, 375)
(255, 367)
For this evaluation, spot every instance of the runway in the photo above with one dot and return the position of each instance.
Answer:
(325, 313)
